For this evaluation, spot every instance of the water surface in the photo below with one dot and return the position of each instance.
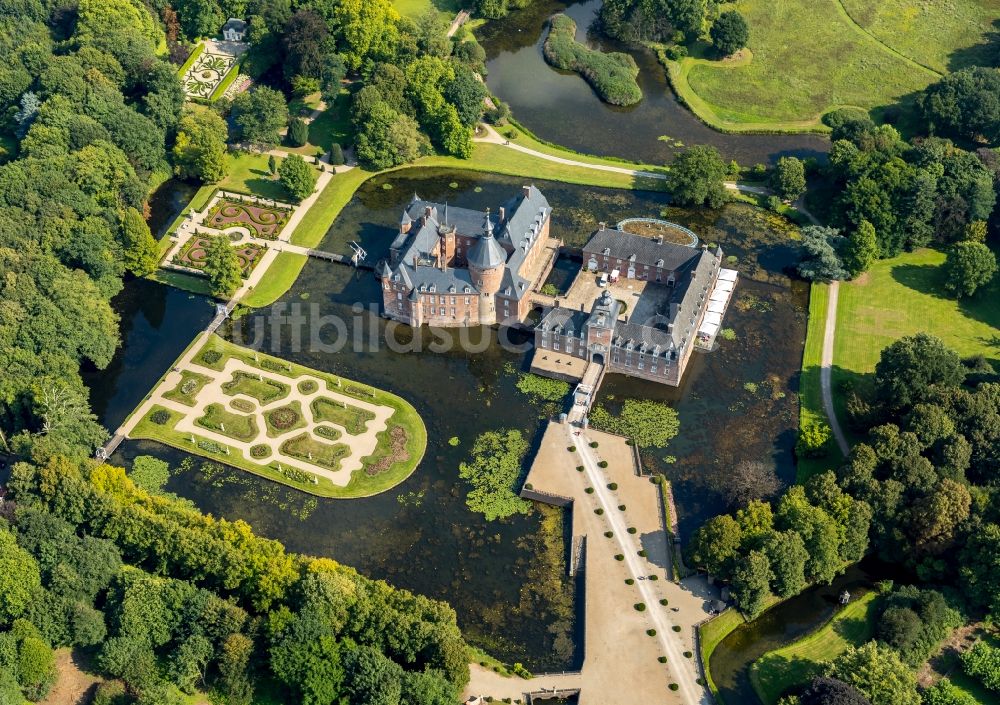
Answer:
(561, 107)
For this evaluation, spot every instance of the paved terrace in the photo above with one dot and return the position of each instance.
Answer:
(621, 661)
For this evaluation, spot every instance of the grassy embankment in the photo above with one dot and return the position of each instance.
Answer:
(777, 671)
(612, 75)
(803, 60)
(361, 484)
(712, 632)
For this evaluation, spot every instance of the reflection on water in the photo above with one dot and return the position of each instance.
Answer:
(166, 203)
(420, 535)
(561, 107)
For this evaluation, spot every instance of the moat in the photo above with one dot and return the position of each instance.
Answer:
(505, 579)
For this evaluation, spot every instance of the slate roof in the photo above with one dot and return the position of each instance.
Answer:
(646, 250)
(524, 214)
(565, 321)
(236, 24)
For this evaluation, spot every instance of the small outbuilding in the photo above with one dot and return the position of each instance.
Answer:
(234, 30)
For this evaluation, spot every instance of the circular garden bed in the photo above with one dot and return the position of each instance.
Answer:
(654, 228)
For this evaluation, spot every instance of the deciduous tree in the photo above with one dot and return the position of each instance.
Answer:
(970, 266)
(697, 177)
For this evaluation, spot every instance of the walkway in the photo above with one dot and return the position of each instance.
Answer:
(494, 137)
(461, 18)
(826, 364)
(620, 660)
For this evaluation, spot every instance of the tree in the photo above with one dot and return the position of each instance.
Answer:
(466, 93)
(964, 104)
(789, 178)
(786, 552)
(715, 544)
(189, 663)
(200, 149)
(730, 33)
(305, 43)
(36, 671)
(19, 578)
(234, 677)
(140, 252)
(697, 177)
(979, 570)
(305, 655)
(371, 678)
(818, 530)
(751, 479)
(428, 687)
(862, 249)
(272, 165)
(909, 369)
(200, 18)
(386, 138)
(298, 178)
(222, 267)
(368, 29)
(970, 265)
(877, 673)
(945, 693)
(298, 132)
(820, 260)
(813, 437)
(336, 154)
(648, 423)
(26, 115)
(983, 662)
(830, 691)
(260, 114)
(751, 582)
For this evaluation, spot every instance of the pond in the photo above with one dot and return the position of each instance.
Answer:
(421, 535)
(562, 108)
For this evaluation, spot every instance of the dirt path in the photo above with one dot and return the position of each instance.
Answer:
(826, 363)
(461, 18)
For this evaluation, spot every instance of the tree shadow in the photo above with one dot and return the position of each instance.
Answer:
(655, 545)
(924, 278)
(984, 53)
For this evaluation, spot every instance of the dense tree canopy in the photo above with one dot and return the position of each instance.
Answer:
(964, 104)
(730, 32)
(697, 178)
(969, 267)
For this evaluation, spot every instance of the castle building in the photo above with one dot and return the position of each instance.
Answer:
(655, 340)
(455, 267)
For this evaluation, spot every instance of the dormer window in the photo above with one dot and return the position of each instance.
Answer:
(607, 252)
(659, 264)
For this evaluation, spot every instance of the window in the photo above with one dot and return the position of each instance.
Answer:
(453, 313)
(441, 300)
(467, 301)
(543, 343)
(442, 310)
(399, 296)
(452, 300)
(615, 359)
(555, 346)
(642, 365)
(652, 368)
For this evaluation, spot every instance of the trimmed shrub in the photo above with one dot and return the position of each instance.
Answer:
(676, 628)
(160, 417)
(664, 601)
(298, 132)
(579, 468)
(612, 485)
(572, 449)
(621, 507)
(619, 557)
(609, 534)
(598, 511)
(640, 606)
(662, 659)
(642, 553)
(651, 632)
(673, 686)
(603, 464)
(589, 490)
(593, 444)
(629, 581)
(632, 530)
(336, 154)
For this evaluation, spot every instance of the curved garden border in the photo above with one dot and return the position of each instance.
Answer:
(692, 238)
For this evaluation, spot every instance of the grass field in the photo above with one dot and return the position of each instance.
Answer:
(777, 671)
(331, 125)
(905, 295)
(944, 35)
(806, 59)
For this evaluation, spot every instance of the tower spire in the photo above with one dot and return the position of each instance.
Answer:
(488, 229)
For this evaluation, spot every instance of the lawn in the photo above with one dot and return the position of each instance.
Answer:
(394, 459)
(248, 173)
(238, 426)
(187, 389)
(308, 448)
(284, 419)
(805, 58)
(264, 390)
(903, 296)
(331, 125)
(944, 35)
(810, 398)
(777, 671)
(351, 418)
(415, 8)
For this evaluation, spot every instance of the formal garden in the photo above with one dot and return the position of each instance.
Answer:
(193, 254)
(202, 76)
(262, 221)
(319, 432)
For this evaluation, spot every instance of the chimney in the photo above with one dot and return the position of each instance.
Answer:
(415, 260)
(526, 191)
(427, 211)
(659, 239)
(501, 213)
(601, 226)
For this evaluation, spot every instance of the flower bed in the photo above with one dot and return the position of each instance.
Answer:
(305, 447)
(206, 73)
(351, 418)
(192, 254)
(263, 222)
(284, 419)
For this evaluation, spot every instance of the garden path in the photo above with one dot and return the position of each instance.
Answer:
(826, 364)
(360, 445)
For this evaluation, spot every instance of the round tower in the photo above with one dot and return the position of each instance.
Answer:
(486, 261)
